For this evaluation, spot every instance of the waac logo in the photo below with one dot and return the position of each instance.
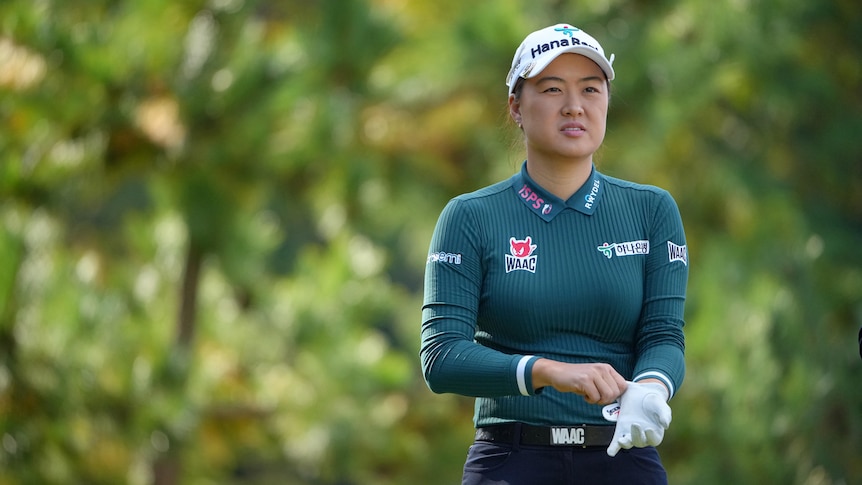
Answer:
(521, 256)
(677, 253)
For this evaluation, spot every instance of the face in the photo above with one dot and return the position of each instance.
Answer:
(563, 110)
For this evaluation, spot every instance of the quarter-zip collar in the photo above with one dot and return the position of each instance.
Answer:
(547, 205)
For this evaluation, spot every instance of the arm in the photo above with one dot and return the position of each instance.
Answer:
(644, 414)
(451, 360)
(660, 342)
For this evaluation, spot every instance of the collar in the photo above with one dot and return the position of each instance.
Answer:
(547, 205)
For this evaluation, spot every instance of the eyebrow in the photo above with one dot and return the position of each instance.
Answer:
(559, 79)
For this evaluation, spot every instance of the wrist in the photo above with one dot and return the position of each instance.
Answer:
(656, 376)
(540, 373)
(658, 385)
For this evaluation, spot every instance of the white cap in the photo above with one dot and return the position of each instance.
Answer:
(543, 46)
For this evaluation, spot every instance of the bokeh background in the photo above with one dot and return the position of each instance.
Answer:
(215, 214)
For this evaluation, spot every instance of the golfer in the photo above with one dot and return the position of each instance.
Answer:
(555, 298)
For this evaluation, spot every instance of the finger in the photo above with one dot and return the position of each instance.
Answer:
(638, 437)
(654, 437)
(604, 393)
(625, 441)
(606, 399)
(614, 448)
(610, 387)
(622, 383)
(591, 394)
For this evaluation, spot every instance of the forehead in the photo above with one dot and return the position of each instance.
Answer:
(572, 65)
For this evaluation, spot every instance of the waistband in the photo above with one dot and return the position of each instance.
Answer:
(519, 433)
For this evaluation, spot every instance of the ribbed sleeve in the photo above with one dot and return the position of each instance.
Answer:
(451, 360)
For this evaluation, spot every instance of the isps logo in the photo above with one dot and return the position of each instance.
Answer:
(521, 255)
(533, 200)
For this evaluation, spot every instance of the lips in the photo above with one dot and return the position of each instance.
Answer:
(573, 128)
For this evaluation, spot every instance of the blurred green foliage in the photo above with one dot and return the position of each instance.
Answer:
(214, 217)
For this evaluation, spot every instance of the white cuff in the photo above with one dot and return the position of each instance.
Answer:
(659, 376)
(521, 375)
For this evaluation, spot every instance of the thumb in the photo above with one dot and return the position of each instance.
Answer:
(659, 408)
(665, 417)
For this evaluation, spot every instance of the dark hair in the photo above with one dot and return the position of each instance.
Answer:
(519, 86)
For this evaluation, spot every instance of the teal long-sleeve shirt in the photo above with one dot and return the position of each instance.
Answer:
(515, 273)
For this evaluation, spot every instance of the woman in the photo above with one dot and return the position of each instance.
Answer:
(556, 297)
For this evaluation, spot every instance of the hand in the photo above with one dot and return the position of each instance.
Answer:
(598, 383)
(644, 415)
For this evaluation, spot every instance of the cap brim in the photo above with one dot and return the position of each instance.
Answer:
(587, 52)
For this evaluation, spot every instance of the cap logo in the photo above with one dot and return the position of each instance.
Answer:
(570, 31)
(556, 44)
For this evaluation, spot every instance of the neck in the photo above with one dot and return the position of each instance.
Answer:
(560, 179)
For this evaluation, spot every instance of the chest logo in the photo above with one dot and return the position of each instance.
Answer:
(521, 255)
(629, 248)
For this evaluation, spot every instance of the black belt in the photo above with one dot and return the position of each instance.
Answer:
(582, 436)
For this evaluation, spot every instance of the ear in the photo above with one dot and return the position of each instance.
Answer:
(515, 109)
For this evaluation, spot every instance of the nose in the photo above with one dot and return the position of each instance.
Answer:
(573, 106)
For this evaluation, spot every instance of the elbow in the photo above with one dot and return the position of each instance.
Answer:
(431, 374)
(435, 386)
(436, 383)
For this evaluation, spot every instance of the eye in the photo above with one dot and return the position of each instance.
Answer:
(592, 89)
(552, 90)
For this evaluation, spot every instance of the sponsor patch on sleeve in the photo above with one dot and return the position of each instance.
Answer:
(444, 257)
(677, 253)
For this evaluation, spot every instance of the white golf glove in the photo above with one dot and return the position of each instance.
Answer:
(643, 417)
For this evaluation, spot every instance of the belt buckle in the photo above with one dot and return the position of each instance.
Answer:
(568, 436)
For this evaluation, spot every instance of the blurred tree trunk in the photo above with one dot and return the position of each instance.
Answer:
(188, 297)
(166, 469)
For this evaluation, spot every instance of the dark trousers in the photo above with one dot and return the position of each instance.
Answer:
(514, 464)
